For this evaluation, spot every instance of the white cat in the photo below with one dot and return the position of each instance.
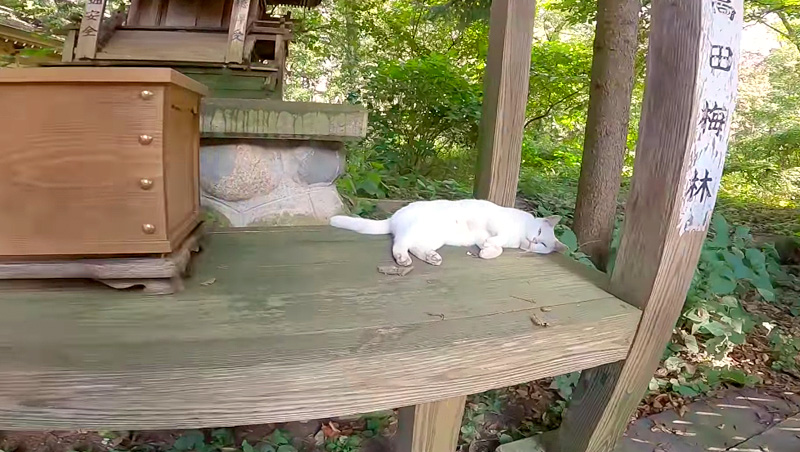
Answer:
(423, 227)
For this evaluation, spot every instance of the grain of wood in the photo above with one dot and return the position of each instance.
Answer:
(85, 75)
(181, 162)
(198, 47)
(90, 26)
(210, 14)
(240, 11)
(430, 427)
(182, 13)
(656, 262)
(504, 100)
(71, 173)
(68, 53)
(167, 267)
(260, 345)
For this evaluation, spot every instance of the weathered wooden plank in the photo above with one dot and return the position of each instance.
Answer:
(68, 53)
(247, 342)
(504, 100)
(186, 382)
(90, 29)
(430, 427)
(307, 285)
(165, 46)
(182, 12)
(210, 13)
(668, 208)
(240, 11)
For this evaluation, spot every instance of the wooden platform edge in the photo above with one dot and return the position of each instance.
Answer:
(158, 275)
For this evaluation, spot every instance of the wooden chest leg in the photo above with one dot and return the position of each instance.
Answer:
(430, 427)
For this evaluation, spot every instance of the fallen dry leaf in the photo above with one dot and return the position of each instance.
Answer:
(208, 282)
(394, 270)
(538, 322)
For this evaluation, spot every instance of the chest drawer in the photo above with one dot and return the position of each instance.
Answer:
(92, 165)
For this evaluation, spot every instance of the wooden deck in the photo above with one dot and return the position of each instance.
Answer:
(297, 324)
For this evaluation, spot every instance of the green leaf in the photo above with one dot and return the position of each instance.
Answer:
(723, 232)
(246, 447)
(742, 232)
(720, 283)
(767, 294)
(191, 440)
(686, 391)
(286, 448)
(569, 239)
(691, 343)
(756, 259)
(673, 363)
(505, 438)
(715, 328)
(740, 270)
(264, 447)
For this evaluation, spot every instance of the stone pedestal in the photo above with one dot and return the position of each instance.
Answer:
(266, 162)
(271, 182)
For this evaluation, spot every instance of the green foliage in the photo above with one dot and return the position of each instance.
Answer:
(730, 264)
(344, 444)
(415, 125)
(222, 440)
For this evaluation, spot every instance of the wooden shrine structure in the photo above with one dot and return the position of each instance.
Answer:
(236, 47)
(283, 324)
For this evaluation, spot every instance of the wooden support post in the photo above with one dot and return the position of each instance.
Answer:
(280, 61)
(689, 98)
(90, 29)
(430, 427)
(67, 54)
(505, 97)
(237, 31)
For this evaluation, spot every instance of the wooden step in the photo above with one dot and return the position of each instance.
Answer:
(296, 323)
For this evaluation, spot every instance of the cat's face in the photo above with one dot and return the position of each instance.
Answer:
(541, 238)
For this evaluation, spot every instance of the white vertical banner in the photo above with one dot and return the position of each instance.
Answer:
(722, 22)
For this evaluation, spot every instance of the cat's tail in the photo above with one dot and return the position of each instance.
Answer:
(361, 225)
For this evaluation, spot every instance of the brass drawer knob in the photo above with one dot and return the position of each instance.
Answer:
(146, 184)
(145, 139)
(146, 95)
(148, 228)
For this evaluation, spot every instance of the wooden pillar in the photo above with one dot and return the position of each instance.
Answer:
(689, 98)
(237, 31)
(505, 97)
(90, 29)
(68, 53)
(430, 427)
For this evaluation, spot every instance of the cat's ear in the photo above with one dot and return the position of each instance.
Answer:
(560, 247)
(553, 220)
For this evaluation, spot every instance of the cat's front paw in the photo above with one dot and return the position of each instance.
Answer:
(404, 260)
(491, 252)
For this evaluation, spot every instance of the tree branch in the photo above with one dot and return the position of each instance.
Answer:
(550, 108)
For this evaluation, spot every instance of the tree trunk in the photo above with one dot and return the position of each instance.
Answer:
(604, 147)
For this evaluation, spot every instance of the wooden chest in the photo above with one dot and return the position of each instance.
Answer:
(97, 161)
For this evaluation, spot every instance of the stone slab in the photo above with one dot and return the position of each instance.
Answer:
(268, 118)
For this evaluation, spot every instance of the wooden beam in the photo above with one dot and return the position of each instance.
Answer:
(694, 51)
(237, 31)
(430, 427)
(90, 29)
(505, 97)
(67, 54)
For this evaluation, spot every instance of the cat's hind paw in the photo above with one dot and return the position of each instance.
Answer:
(433, 258)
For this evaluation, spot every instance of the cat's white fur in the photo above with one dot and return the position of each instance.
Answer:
(423, 227)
